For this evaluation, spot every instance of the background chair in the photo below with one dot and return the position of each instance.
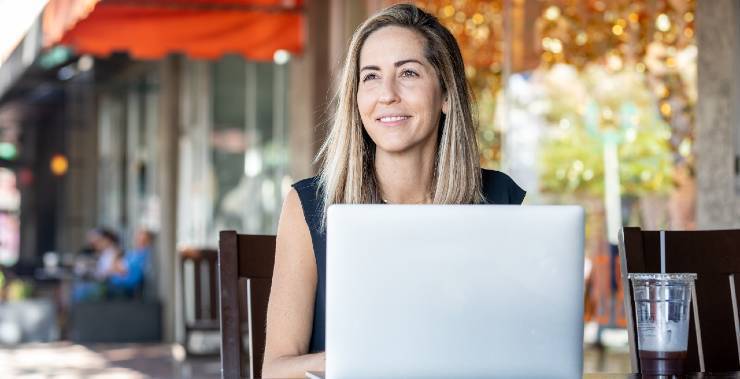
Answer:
(715, 257)
(245, 265)
(199, 286)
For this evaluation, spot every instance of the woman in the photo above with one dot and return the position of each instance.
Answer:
(402, 133)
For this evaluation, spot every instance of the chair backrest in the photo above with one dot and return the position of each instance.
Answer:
(204, 286)
(245, 264)
(714, 341)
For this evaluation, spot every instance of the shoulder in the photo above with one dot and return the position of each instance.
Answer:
(499, 188)
(310, 198)
(292, 215)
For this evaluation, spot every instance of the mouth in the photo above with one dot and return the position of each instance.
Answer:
(392, 120)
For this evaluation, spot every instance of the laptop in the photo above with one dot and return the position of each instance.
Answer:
(463, 291)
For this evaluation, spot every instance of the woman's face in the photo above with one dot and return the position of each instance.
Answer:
(398, 96)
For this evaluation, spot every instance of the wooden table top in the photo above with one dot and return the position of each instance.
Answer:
(638, 376)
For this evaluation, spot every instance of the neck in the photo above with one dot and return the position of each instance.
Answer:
(405, 178)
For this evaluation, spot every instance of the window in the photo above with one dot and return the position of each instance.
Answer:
(234, 150)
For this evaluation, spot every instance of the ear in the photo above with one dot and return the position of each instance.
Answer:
(446, 105)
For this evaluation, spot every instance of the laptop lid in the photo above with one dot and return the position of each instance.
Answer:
(465, 291)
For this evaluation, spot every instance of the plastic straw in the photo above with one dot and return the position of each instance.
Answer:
(662, 251)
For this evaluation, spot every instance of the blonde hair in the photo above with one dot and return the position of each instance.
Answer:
(347, 174)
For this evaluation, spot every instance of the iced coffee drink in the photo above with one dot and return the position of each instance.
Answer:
(662, 303)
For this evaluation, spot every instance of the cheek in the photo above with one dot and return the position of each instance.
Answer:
(425, 98)
(364, 104)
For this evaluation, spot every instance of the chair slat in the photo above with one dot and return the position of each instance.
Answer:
(631, 258)
(198, 289)
(736, 305)
(230, 336)
(213, 290)
(717, 322)
(259, 295)
(247, 360)
(632, 242)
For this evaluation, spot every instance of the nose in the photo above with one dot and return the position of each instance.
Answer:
(388, 92)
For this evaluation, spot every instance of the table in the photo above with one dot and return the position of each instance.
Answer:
(638, 376)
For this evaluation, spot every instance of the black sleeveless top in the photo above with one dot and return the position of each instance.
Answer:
(498, 188)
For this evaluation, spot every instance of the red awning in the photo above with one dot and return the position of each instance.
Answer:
(150, 29)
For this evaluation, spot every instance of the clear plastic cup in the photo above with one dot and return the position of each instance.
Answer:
(662, 303)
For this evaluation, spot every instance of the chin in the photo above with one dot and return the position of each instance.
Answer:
(393, 147)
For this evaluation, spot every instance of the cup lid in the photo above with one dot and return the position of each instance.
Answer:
(662, 276)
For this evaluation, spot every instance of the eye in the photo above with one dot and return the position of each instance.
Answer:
(369, 76)
(408, 73)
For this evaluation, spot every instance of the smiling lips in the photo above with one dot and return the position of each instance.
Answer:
(393, 120)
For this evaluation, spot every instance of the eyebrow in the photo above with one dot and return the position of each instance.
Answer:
(397, 64)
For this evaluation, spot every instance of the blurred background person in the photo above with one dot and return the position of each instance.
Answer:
(93, 272)
(128, 273)
(108, 249)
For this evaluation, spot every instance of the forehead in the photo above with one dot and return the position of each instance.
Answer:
(390, 44)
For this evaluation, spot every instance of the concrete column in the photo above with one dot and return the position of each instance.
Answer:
(78, 210)
(717, 120)
(167, 160)
(345, 17)
(309, 92)
(313, 76)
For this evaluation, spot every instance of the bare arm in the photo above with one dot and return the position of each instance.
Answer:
(291, 306)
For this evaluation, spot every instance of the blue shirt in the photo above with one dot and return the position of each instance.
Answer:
(136, 262)
(498, 188)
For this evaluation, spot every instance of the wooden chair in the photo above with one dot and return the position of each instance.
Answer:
(245, 265)
(204, 285)
(714, 341)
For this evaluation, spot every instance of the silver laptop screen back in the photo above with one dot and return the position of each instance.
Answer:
(454, 291)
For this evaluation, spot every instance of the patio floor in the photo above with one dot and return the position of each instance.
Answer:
(69, 360)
